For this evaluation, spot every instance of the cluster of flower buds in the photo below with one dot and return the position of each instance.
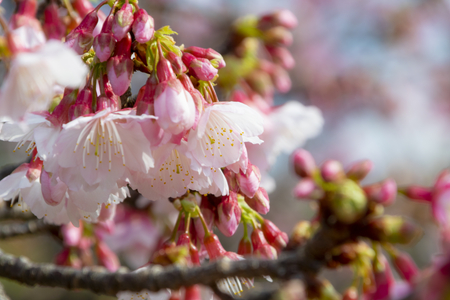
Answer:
(344, 202)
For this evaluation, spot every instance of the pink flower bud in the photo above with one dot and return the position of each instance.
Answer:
(261, 83)
(104, 45)
(53, 26)
(229, 214)
(215, 57)
(250, 181)
(304, 163)
(123, 20)
(83, 104)
(106, 257)
(274, 235)
(120, 67)
(383, 192)
(359, 170)
(83, 7)
(192, 293)
(231, 180)
(278, 36)
(405, 266)
(81, 38)
(261, 248)
(281, 56)
(202, 69)
(27, 8)
(53, 194)
(419, 193)
(107, 212)
(384, 281)
(282, 17)
(245, 246)
(143, 26)
(71, 234)
(281, 79)
(260, 202)
(184, 239)
(108, 100)
(332, 171)
(305, 188)
(178, 66)
(62, 257)
(213, 247)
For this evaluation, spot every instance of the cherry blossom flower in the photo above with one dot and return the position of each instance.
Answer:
(29, 85)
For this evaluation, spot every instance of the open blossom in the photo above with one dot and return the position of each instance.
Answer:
(100, 148)
(219, 138)
(29, 85)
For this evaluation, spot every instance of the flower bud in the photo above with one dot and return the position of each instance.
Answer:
(384, 280)
(164, 68)
(178, 67)
(81, 38)
(274, 236)
(281, 56)
(281, 79)
(350, 294)
(347, 202)
(261, 248)
(260, 202)
(304, 163)
(120, 67)
(202, 69)
(53, 27)
(392, 229)
(245, 246)
(71, 235)
(104, 45)
(143, 26)
(213, 247)
(123, 20)
(192, 293)
(383, 192)
(278, 36)
(231, 180)
(106, 257)
(229, 214)
(282, 17)
(83, 104)
(300, 234)
(215, 57)
(419, 193)
(261, 83)
(359, 170)
(249, 182)
(332, 171)
(405, 266)
(305, 188)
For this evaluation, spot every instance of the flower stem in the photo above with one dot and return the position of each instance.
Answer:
(202, 219)
(175, 228)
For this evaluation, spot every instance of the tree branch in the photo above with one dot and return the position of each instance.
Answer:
(29, 227)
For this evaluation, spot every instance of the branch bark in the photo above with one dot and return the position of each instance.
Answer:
(29, 227)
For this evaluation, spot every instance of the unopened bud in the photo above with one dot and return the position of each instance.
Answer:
(278, 36)
(213, 247)
(359, 170)
(81, 38)
(83, 104)
(347, 202)
(52, 193)
(383, 192)
(71, 234)
(106, 257)
(281, 79)
(419, 193)
(405, 266)
(260, 202)
(300, 234)
(123, 20)
(282, 17)
(281, 56)
(332, 171)
(261, 83)
(245, 246)
(143, 26)
(229, 214)
(104, 45)
(305, 188)
(350, 294)
(178, 67)
(192, 293)
(164, 68)
(392, 229)
(274, 236)
(215, 57)
(231, 180)
(304, 163)
(261, 248)
(53, 26)
(120, 67)
(249, 182)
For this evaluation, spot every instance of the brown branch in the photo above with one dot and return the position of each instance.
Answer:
(7, 213)
(29, 227)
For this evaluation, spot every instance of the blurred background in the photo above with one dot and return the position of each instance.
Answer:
(379, 71)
